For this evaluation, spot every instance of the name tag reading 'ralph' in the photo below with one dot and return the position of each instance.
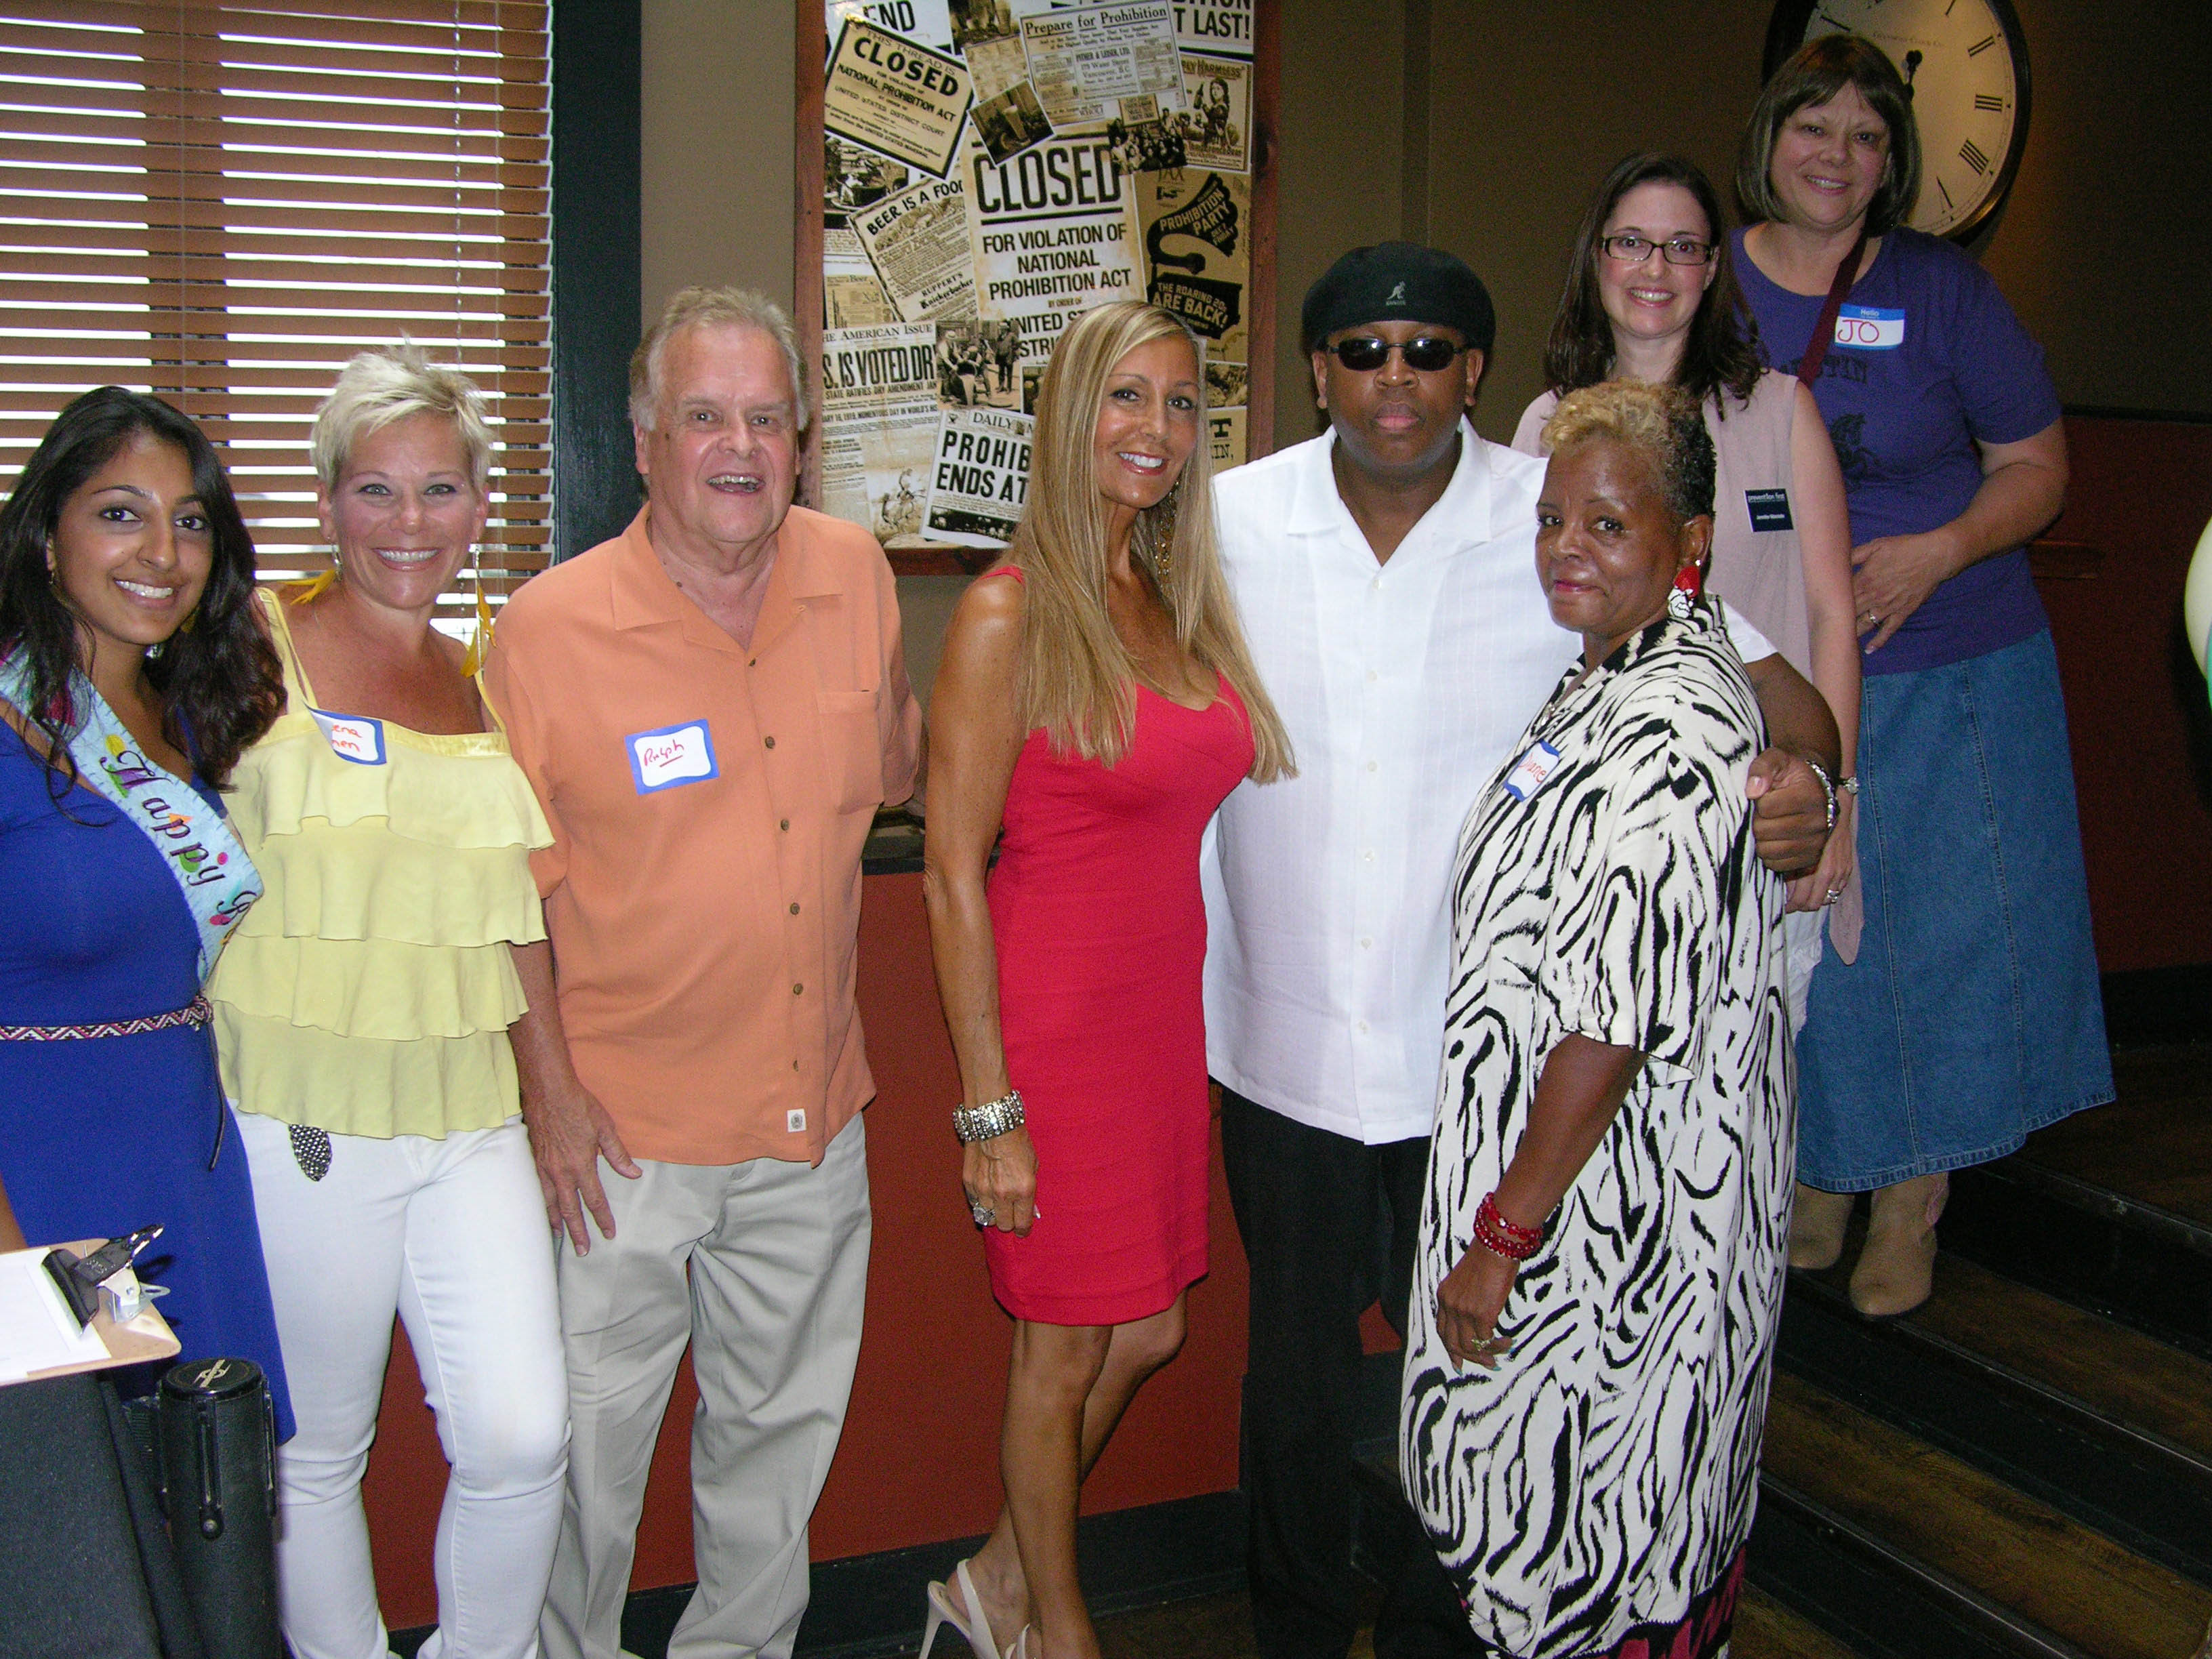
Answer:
(670, 756)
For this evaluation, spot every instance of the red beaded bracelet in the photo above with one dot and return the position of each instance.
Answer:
(1503, 1238)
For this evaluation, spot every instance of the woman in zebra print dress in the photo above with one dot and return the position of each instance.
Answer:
(1603, 1243)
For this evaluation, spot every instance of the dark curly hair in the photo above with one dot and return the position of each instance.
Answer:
(1718, 354)
(219, 679)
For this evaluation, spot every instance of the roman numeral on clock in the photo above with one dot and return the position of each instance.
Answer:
(1988, 101)
(1972, 157)
(1981, 45)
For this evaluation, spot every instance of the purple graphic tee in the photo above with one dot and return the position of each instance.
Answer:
(1928, 358)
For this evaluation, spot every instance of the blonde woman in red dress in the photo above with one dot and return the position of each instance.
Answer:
(1096, 701)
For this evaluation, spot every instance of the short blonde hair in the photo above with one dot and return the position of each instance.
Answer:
(1077, 677)
(710, 307)
(388, 384)
(1663, 423)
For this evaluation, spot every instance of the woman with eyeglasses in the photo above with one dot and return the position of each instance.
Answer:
(1971, 1015)
(1651, 296)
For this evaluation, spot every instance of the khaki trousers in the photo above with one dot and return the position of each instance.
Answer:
(762, 1267)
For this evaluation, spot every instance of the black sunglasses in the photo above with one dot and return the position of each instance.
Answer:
(1426, 352)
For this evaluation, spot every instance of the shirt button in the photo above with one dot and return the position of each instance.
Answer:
(769, 741)
(1372, 676)
(797, 989)
(795, 908)
(1367, 945)
(1371, 766)
(1368, 855)
(1363, 1028)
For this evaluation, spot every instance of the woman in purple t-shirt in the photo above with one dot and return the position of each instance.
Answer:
(1971, 1015)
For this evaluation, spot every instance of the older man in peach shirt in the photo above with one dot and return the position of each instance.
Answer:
(710, 708)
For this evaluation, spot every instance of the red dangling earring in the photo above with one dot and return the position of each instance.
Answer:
(1689, 583)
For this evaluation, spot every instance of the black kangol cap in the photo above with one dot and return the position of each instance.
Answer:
(1394, 280)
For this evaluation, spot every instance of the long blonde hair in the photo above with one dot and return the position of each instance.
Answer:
(1078, 678)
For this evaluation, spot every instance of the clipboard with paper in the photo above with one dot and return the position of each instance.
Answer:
(41, 1336)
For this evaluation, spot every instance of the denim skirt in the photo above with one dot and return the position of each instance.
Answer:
(1972, 1015)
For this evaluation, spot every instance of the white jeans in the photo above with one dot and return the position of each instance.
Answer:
(763, 1268)
(451, 1235)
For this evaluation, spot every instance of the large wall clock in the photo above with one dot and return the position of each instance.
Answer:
(1966, 62)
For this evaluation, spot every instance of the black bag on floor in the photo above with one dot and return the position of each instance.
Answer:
(215, 1434)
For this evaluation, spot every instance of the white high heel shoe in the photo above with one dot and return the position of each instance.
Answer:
(967, 1618)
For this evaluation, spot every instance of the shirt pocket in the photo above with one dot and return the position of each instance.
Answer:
(852, 749)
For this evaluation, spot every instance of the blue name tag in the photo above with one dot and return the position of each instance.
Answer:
(1529, 772)
(352, 737)
(1869, 328)
(1770, 509)
(669, 756)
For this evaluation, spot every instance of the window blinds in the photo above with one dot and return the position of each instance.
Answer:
(221, 203)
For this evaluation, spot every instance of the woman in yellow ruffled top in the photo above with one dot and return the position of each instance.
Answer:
(363, 1017)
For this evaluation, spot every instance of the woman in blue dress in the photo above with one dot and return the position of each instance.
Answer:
(132, 675)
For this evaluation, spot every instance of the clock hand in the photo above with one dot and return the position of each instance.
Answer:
(1913, 61)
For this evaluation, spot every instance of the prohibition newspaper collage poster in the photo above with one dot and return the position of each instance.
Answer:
(993, 169)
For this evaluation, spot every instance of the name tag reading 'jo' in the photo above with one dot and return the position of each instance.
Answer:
(670, 756)
(1869, 328)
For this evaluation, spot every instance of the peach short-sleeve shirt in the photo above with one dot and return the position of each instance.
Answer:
(709, 802)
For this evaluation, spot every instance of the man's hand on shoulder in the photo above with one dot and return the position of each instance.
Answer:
(569, 1133)
(1789, 811)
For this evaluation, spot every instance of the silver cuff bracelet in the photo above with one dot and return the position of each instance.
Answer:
(995, 1118)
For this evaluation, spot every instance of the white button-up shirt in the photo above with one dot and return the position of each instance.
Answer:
(1402, 685)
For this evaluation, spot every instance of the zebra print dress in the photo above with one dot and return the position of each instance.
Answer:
(1602, 1481)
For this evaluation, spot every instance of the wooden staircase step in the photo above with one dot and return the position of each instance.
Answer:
(1765, 1629)
(2153, 1144)
(2120, 1373)
(2021, 1554)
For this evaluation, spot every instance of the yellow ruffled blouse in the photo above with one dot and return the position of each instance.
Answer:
(370, 990)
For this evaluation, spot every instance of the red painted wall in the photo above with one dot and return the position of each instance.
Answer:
(2110, 572)
(919, 1461)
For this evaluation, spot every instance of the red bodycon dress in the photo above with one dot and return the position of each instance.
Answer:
(1101, 937)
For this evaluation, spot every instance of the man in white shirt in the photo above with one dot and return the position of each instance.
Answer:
(1386, 575)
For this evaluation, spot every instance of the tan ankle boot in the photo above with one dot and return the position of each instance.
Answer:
(1897, 1268)
(1816, 1227)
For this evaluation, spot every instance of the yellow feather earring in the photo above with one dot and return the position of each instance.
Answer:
(480, 646)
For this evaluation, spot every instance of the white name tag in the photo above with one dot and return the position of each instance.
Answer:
(1867, 329)
(353, 737)
(670, 756)
(1529, 772)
